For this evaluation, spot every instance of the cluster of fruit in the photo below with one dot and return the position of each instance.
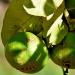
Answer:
(35, 30)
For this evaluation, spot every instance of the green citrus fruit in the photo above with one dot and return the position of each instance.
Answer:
(26, 52)
(64, 55)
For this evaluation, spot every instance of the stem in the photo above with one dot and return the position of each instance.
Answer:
(65, 72)
(69, 20)
(66, 22)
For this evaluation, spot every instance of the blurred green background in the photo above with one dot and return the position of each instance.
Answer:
(7, 69)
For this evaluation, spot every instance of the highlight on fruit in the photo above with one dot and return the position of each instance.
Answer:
(26, 52)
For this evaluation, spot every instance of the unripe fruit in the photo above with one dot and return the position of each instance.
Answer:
(64, 55)
(26, 52)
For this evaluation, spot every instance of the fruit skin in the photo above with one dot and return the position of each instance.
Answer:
(26, 52)
(64, 55)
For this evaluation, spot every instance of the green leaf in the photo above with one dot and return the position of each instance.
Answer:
(42, 8)
(50, 20)
(57, 33)
(16, 19)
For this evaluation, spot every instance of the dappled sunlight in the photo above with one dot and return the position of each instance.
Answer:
(29, 55)
(17, 45)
